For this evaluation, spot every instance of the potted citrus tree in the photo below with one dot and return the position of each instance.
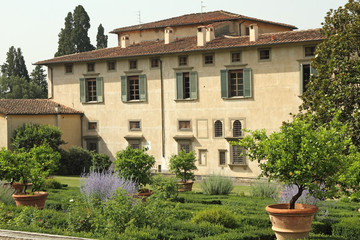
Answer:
(33, 166)
(311, 158)
(135, 164)
(183, 166)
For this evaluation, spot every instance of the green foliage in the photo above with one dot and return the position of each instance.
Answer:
(337, 62)
(264, 189)
(183, 165)
(216, 216)
(6, 193)
(38, 77)
(14, 65)
(134, 164)
(166, 185)
(15, 87)
(101, 38)
(52, 183)
(65, 43)
(349, 228)
(100, 162)
(299, 154)
(29, 135)
(217, 185)
(8, 166)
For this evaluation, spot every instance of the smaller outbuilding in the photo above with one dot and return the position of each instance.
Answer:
(16, 112)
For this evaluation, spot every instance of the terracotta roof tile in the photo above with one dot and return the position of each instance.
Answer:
(188, 45)
(195, 18)
(33, 107)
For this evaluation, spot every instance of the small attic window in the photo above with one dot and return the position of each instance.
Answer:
(199, 29)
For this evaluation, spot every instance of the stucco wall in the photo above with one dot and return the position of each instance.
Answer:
(275, 83)
(3, 131)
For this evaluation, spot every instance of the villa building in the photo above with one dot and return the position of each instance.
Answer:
(192, 82)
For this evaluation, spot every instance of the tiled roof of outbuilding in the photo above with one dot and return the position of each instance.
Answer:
(196, 18)
(33, 107)
(185, 45)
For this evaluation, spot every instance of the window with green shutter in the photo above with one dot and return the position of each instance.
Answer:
(236, 83)
(133, 88)
(186, 85)
(91, 90)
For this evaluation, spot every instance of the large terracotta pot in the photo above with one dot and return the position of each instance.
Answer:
(291, 223)
(185, 186)
(36, 200)
(19, 187)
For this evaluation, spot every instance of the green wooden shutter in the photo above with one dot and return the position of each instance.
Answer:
(82, 90)
(179, 85)
(193, 85)
(302, 78)
(247, 82)
(142, 87)
(124, 88)
(100, 89)
(224, 83)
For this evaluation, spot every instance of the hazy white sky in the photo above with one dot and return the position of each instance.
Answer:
(34, 25)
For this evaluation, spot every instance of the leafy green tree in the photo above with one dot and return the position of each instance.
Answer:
(183, 165)
(15, 87)
(15, 64)
(101, 38)
(66, 44)
(29, 135)
(38, 77)
(80, 31)
(20, 65)
(337, 85)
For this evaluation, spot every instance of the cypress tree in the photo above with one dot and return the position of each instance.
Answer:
(8, 68)
(101, 38)
(20, 65)
(66, 44)
(38, 77)
(80, 31)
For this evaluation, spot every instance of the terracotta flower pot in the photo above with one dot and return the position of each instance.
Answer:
(185, 186)
(36, 200)
(291, 223)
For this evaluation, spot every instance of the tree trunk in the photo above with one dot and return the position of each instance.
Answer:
(296, 197)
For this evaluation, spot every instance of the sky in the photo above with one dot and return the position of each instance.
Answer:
(34, 25)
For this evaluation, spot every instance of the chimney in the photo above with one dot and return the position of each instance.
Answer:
(254, 32)
(169, 35)
(210, 33)
(201, 36)
(125, 41)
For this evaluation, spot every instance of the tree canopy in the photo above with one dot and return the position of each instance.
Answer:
(337, 85)
(101, 38)
(15, 64)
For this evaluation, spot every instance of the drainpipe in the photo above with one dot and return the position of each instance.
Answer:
(52, 83)
(162, 111)
(81, 130)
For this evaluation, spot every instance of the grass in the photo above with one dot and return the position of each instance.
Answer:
(71, 181)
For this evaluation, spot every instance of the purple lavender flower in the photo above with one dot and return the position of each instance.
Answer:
(102, 185)
(288, 191)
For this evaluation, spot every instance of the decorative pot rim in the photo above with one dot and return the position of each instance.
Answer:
(187, 182)
(36, 194)
(283, 208)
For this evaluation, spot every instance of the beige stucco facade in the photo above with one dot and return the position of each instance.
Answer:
(70, 125)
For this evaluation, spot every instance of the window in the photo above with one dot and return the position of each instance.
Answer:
(236, 57)
(309, 51)
(184, 144)
(247, 31)
(91, 90)
(92, 145)
(202, 157)
(237, 156)
(222, 157)
(183, 60)
(135, 143)
(218, 128)
(236, 83)
(111, 65)
(209, 59)
(306, 72)
(92, 125)
(155, 62)
(185, 125)
(237, 128)
(264, 54)
(133, 64)
(186, 85)
(134, 125)
(91, 67)
(68, 68)
(133, 88)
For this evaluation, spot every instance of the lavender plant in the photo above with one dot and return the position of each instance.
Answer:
(288, 191)
(5, 193)
(101, 186)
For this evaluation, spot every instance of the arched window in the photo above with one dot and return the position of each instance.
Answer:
(218, 128)
(237, 128)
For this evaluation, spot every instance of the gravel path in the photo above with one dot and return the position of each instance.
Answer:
(18, 235)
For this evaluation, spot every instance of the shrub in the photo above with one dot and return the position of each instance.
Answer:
(217, 185)
(216, 216)
(349, 228)
(264, 189)
(29, 135)
(75, 161)
(101, 186)
(165, 185)
(100, 162)
(134, 164)
(6, 193)
(183, 165)
(52, 183)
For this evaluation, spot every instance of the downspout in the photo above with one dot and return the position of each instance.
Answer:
(52, 83)
(162, 111)
(81, 130)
